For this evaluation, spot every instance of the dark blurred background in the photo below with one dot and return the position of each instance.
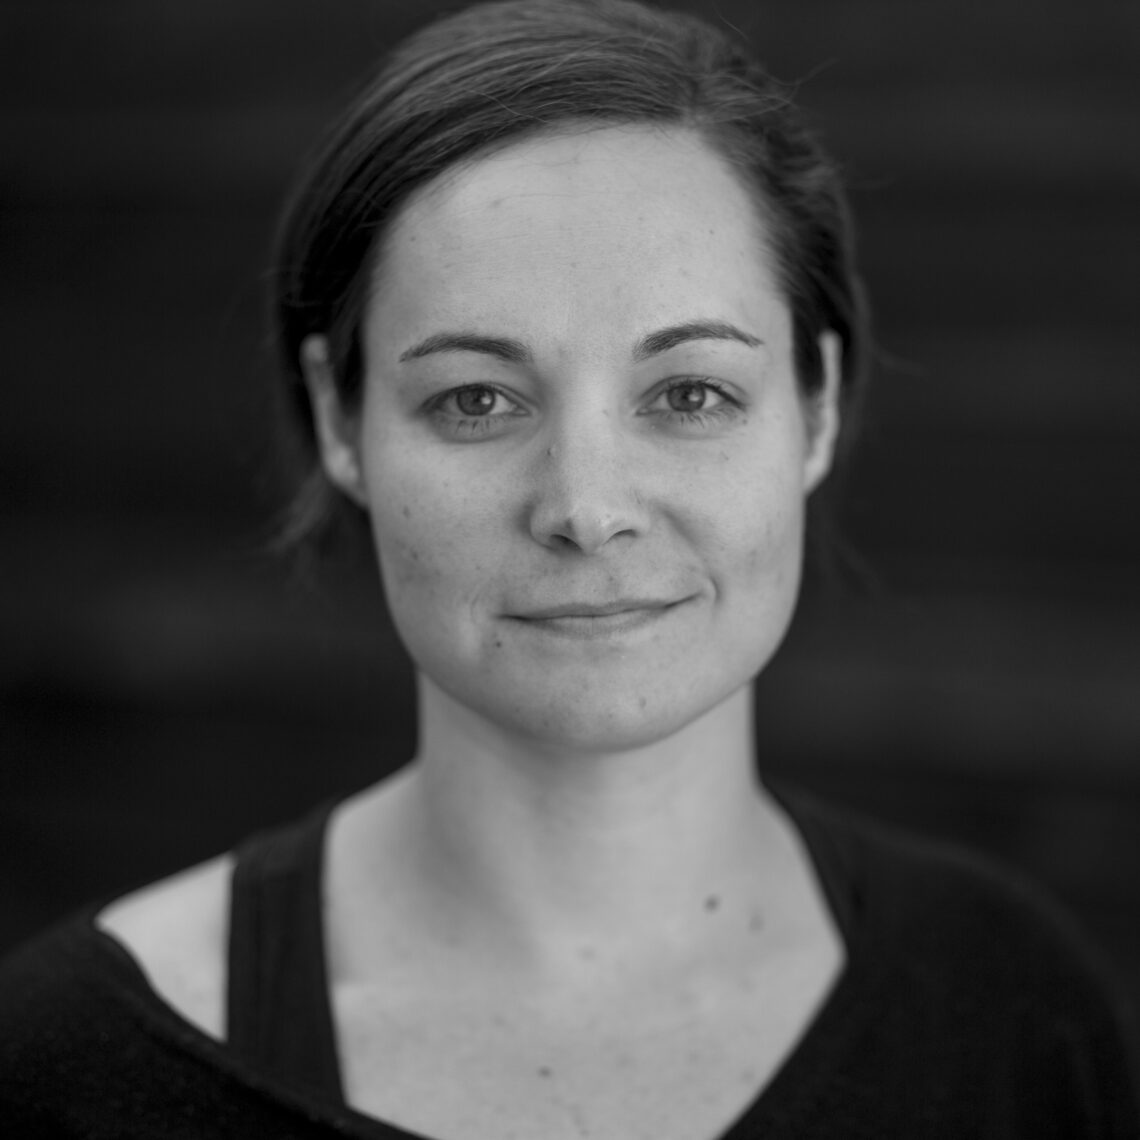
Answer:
(163, 687)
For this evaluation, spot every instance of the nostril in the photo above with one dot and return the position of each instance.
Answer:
(583, 494)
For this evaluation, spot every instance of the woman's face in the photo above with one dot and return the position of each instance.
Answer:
(581, 442)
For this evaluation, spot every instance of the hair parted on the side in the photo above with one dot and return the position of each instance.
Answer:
(495, 73)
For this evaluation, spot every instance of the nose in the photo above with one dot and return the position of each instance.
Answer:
(584, 491)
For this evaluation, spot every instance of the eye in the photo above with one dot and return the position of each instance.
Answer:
(472, 410)
(690, 396)
(475, 400)
(694, 400)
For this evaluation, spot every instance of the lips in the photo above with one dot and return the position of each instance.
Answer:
(596, 610)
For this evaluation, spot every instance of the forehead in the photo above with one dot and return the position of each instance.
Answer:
(589, 233)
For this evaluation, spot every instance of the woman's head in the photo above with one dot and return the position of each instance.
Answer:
(580, 439)
(496, 74)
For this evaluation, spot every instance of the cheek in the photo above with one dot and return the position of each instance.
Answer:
(429, 533)
(775, 542)
(405, 556)
(755, 527)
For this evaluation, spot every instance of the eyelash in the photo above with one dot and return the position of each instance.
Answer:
(459, 424)
(729, 407)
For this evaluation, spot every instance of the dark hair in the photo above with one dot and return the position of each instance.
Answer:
(496, 72)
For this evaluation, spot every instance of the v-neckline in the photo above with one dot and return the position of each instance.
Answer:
(783, 1098)
(805, 1066)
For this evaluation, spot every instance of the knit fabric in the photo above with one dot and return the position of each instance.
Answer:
(969, 1007)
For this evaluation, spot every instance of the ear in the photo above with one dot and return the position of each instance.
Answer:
(822, 414)
(337, 430)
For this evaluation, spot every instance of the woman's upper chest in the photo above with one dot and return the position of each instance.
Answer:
(446, 1056)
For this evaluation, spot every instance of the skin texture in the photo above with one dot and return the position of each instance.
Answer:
(581, 841)
(584, 486)
(577, 901)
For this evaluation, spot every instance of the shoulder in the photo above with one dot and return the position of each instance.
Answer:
(904, 882)
(954, 920)
(976, 979)
(946, 917)
(958, 902)
(88, 970)
(88, 1049)
(53, 1006)
(53, 979)
(76, 1025)
(176, 931)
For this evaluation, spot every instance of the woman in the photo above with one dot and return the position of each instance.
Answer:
(569, 323)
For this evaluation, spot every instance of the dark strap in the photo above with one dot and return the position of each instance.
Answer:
(278, 1013)
(833, 865)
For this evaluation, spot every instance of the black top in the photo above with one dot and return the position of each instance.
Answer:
(968, 1008)
(278, 1016)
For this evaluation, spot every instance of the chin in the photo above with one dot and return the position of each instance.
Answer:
(593, 723)
(601, 698)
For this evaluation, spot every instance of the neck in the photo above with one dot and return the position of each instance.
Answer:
(556, 852)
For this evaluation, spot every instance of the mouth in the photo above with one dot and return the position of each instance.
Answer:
(582, 620)
(588, 610)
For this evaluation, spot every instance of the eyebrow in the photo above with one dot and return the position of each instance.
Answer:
(515, 352)
(512, 351)
(664, 339)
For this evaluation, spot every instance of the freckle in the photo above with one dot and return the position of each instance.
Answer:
(407, 511)
(756, 922)
(498, 643)
(586, 953)
(545, 1071)
(712, 903)
(642, 702)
